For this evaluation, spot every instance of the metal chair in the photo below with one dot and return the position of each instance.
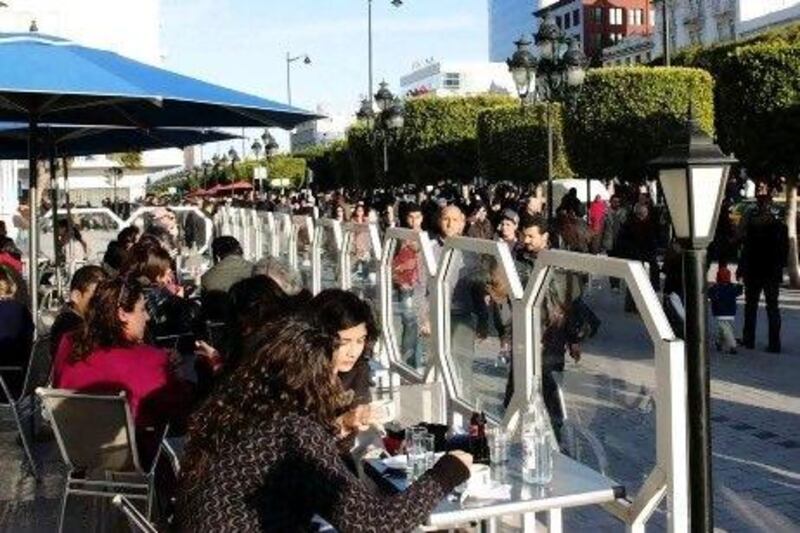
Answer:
(136, 520)
(24, 405)
(96, 436)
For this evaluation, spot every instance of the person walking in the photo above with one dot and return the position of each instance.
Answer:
(765, 249)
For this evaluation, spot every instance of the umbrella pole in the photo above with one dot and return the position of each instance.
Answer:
(69, 209)
(54, 202)
(33, 229)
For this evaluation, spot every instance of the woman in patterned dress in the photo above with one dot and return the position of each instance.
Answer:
(262, 452)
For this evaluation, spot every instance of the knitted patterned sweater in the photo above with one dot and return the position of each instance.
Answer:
(283, 470)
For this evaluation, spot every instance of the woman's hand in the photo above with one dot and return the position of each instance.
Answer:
(464, 457)
(359, 418)
(209, 354)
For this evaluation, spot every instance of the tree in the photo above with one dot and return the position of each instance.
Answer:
(758, 117)
(440, 136)
(626, 116)
(127, 160)
(512, 143)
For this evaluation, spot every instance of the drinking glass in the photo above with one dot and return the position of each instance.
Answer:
(497, 440)
(414, 453)
(428, 451)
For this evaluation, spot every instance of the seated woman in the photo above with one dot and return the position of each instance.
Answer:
(16, 332)
(347, 318)
(255, 302)
(109, 355)
(72, 315)
(261, 454)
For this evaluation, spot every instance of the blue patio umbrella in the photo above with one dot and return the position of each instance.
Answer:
(46, 79)
(77, 141)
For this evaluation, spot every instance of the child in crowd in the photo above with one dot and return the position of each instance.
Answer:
(723, 296)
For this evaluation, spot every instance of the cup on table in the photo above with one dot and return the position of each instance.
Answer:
(497, 440)
(428, 450)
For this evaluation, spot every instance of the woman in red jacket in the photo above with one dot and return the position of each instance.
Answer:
(108, 355)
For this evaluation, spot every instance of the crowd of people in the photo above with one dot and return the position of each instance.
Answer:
(270, 385)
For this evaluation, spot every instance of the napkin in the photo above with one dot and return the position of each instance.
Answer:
(492, 491)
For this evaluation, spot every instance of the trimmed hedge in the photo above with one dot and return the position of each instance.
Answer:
(512, 143)
(439, 138)
(758, 115)
(625, 116)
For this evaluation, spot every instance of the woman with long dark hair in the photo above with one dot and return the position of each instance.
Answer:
(349, 320)
(261, 454)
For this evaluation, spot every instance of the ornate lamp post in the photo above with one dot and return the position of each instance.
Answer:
(555, 77)
(388, 121)
(693, 177)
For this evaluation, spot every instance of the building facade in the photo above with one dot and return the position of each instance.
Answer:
(129, 27)
(707, 22)
(445, 78)
(598, 24)
(508, 19)
(320, 132)
(632, 50)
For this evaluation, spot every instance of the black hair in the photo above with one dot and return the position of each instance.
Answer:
(334, 310)
(224, 246)
(537, 220)
(86, 276)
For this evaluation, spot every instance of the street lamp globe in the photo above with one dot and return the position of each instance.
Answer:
(232, 153)
(384, 96)
(394, 115)
(693, 177)
(522, 66)
(365, 112)
(547, 37)
(575, 62)
(256, 148)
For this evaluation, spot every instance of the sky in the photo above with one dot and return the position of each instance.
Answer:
(242, 44)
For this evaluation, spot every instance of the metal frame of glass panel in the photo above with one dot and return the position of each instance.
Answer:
(375, 246)
(670, 475)
(298, 221)
(458, 406)
(316, 256)
(392, 238)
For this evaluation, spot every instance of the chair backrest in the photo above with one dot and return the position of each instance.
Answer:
(40, 366)
(94, 432)
(424, 402)
(136, 520)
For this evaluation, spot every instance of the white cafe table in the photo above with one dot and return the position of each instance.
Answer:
(573, 485)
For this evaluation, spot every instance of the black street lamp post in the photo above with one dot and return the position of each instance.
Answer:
(270, 146)
(388, 121)
(693, 178)
(555, 77)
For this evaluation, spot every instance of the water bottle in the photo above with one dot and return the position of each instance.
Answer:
(537, 437)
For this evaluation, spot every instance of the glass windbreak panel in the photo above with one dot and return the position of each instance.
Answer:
(329, 260)
(364, 265)
(303, 241)
(284, 226)
(192, 229)
(265, 235)
(598, 375)
(410, 306)
(87, 240)
(479, 312)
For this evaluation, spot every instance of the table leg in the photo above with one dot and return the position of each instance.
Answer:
(529, 522)
(555, 522)
(489, 526)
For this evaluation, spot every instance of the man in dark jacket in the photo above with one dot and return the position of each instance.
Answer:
(764, 253)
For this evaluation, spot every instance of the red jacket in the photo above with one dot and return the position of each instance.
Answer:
(154, 394)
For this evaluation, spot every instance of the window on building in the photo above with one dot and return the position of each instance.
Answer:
(597, 15)
(567, 21)
(576, 17)
(597, 41)
(451, 80)
(558, 21)
(639, 18)
(616, 16)
(652, 17)
(649, 57)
